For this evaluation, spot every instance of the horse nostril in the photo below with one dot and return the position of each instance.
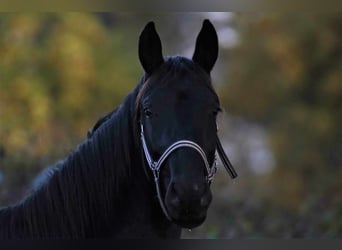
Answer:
(175, 202)
(197, 192)
(199, 189)
(196, 188)
(205, 201)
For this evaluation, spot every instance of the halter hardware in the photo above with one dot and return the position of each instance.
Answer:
(211, 170)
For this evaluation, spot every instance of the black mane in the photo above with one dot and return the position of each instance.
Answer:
(82, 196)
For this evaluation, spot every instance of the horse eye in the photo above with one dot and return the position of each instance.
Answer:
(148, 113)
(216, 111)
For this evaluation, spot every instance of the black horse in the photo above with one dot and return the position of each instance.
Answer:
(145, 168)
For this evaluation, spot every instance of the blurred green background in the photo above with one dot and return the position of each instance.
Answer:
(278, 77)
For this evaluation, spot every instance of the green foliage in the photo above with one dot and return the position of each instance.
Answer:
(286, 75)
(59, 73)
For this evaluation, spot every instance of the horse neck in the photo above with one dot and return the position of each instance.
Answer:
(81, 197)
(94, 193)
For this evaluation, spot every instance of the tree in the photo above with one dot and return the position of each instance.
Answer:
(286, 75)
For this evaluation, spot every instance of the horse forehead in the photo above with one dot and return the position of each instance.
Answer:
(184, 88)
(180, 96)
(191, 95)
(179, 85)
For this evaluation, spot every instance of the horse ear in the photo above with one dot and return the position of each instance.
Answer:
(206, 50)
(150, 49)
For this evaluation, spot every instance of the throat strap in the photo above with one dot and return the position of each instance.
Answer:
(225, 160)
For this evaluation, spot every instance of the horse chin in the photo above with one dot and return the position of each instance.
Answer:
(188, 220)
(189, 223)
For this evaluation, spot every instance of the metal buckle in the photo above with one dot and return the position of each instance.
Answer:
(156, 174)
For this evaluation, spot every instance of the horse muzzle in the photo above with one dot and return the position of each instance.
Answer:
(188, 202)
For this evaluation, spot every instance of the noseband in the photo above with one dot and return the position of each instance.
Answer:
(155, 165)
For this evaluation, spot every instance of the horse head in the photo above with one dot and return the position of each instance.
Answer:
(177, 108)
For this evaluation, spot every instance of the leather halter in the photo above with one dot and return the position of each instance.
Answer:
(155, 165)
